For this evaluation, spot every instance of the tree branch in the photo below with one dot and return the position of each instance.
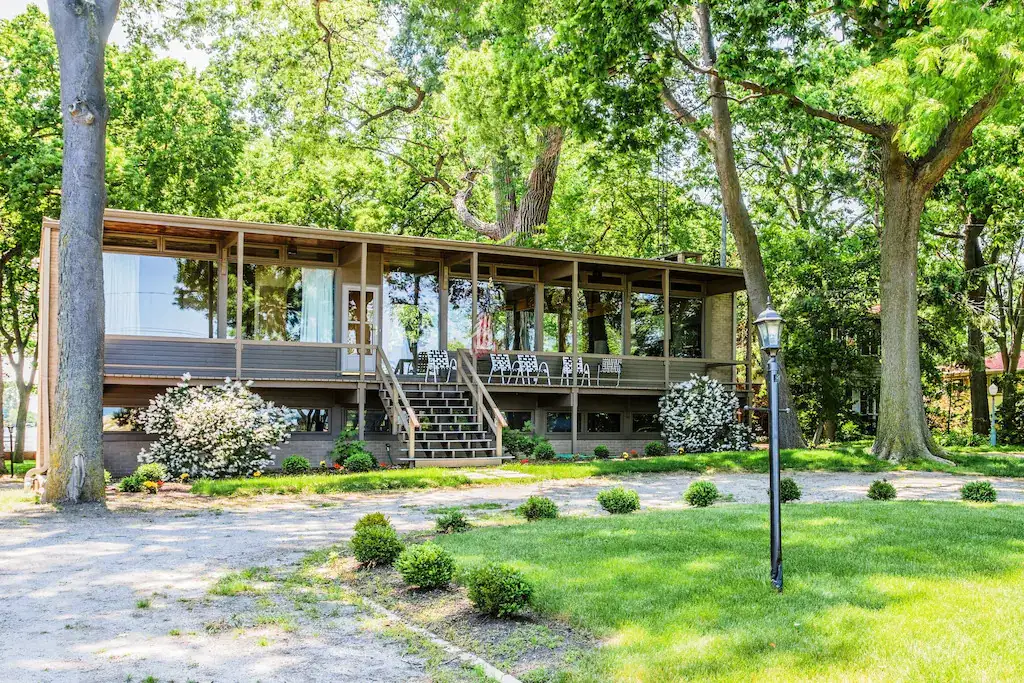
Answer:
(463, 212)
(408, 109)
(684, 116)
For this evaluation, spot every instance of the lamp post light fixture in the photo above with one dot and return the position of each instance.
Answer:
(769, 331)
(993, 389)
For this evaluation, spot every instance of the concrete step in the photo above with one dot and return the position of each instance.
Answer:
(475, 461)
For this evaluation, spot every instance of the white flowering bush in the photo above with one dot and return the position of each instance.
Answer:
(699, 416)
(224, 430)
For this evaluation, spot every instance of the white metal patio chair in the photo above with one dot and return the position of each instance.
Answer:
(531, 367)
(582, 370)
(610, 366)
(438, 362)
(501, 363)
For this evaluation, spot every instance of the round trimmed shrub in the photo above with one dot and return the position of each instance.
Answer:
(376, 545)
(295, 464)
(655, 449)
(789, 490)
(881, 489)
(360, 462)
(452, 522)
(701, 494)
(498, 590)
(538, 507)
(602, 452)
(372, 519)
(978, 492)
(544, 451)
(619, 500)
(427, 565)
(151, 471)
(130, 484)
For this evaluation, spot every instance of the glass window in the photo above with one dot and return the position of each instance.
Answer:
(377, 421)
(310, 419)
(685, 318)
(604, 422)
(600, 318)
(507, 317)
(557, 319)
(117, 419)
(647, 324)
(559, 422)
(411, 309)
(282, 303)
(646, 423)
(460, 312)
(159, 296)
(519, 419)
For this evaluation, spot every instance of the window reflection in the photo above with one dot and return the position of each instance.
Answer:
(557, 319)
(159, 296)
(411, 309)
(283, 303)
(686, 317)
(506, 317)
(600, 321)
(647, 324)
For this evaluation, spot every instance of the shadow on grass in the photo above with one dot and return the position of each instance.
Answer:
(685, 595)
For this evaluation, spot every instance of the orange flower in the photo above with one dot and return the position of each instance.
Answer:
(337, 465)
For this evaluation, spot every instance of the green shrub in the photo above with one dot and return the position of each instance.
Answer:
(881, 489)
(498, 590)
(789, 490)
(346, 445)
(130, 484)
(619, 500)
(295, 464)
(538, 507)
(654, 449)
(151, 471)
(452, 522)
(544, 450)
(519, 443)
(602, 452)
(372, 519)
(376, 545)
(427, 565)
(701, 494)
(106, 478)
(360, 462)
(978, 492)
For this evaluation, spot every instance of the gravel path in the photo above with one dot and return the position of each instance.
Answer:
(72, 581)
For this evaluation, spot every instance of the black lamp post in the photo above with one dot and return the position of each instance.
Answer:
(769, 331)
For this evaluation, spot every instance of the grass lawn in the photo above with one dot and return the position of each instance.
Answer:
(874, 591)
(850, 458)
(20, 468)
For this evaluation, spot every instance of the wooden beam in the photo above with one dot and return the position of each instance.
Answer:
(350, 253)
(723, 286)
(648, 274)
(461, 257)
(557, 271)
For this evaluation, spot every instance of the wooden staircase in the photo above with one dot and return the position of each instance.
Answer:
(443, 424)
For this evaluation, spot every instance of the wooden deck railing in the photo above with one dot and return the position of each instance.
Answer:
(485, 405)
(399, 408)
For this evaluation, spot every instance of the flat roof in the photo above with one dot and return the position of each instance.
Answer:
(120, 220)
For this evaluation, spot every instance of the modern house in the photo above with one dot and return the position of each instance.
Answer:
(340, 326)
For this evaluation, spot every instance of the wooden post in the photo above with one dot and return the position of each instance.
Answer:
(239, 327)
(627, 321)
(666, 290)
(361, 398)
(474, 279)
(442, 331)
(222, 293)
(574, 395)
(538, 307)
(364, 327)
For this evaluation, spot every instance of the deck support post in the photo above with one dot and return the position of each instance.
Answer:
(574, 402)
(474, 280)
(538, 306)
(748, 366)
(442, 332)
(222, 291)
(665, 345)
(364, 333)
(239, 327)
(361, 423)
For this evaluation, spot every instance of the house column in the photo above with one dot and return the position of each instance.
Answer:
(222, 292)
(574, 395)
(239, 327)
(442, 322)
(666, 290)
(363, 339)
(474, 278)
(538, 307)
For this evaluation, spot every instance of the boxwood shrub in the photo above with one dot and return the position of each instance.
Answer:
(789, 490)
(498, 590)
(602, 452)
(151, 471)
(655, 449)
(360, 462)
(427, 565)
(544, 450)
(452, 522)
(130, 484)
(376, 545)
(978, 492)
(371, 519)
(881, 489)
(295, 464)
(538, 507)
(701, 494)
(619, 500)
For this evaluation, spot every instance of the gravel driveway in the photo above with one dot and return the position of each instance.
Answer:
(72, 582)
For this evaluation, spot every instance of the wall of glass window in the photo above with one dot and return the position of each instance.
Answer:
(411, 308)
(159, 296)
(284, 303)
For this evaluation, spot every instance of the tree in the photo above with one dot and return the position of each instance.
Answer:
(917, 78)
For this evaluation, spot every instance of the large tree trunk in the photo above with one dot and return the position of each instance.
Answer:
(902, 425)
(740, 225)
(540, 185)
(973, 261)
(75, 471)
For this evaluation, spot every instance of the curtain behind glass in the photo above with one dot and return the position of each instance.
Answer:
(121, 293)
(316, 321)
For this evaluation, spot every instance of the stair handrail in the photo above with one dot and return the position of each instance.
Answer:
(401, 410)
(467, 374)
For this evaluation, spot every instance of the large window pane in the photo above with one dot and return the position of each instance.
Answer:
(647, 324)
(310, 419)
(282, 303)
(507, 317)
(159, 296)
(604, 422)
(460, 311)
(600, 317)
(411, 309)
(685, 317)
(557, 319)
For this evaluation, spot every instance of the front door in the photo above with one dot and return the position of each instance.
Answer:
(353, 331)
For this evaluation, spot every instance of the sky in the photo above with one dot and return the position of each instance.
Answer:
(197, 59)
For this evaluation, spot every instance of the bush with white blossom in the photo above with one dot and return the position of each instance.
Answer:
(699, 416)
(224, 430)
